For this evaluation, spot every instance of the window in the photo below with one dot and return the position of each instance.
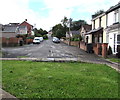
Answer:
(118, 48)
(118, 39)
(94, 24)
(100, 22)
(116, 16)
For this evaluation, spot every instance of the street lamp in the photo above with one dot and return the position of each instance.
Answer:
(69, 21)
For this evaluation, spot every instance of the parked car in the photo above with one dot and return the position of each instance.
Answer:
(41, 39)
(36, 40)
(56, 40)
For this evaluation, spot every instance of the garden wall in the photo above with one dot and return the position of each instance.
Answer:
(10, 42)
(98, 48)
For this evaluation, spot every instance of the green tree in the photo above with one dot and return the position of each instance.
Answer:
(40, 32)
(58, 31)
(76, 25)
(97, 13)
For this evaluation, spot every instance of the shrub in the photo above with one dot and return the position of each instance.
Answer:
(30, 37)
(109, 50)
(45, 36)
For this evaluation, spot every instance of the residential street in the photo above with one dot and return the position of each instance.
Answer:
(48, 49)
(45, 49)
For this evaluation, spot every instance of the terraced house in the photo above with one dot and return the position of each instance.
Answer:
(105, 29)
(113, 28)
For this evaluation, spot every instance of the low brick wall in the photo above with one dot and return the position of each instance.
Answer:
(82, 45)
(28, 41)
(13, 41)
(75, 43)
(97, 48)
(9, 42)
(66, 41)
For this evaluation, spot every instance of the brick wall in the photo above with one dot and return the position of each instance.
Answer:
(28, 41)
(13, 41)
(82, 45)
(97, 48)
(75, 43)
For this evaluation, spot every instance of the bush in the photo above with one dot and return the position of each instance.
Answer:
(109, 50)
(63, 38)
(31, 37)
(38, 35)
(45, 36)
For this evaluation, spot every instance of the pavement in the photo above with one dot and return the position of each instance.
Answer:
(6, 96)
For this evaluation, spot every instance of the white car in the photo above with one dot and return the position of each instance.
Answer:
(36, 40)
(41, 39)
(56, 40)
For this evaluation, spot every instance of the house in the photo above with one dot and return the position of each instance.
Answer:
(72, 33)
(83, 31)
(29, 27)
(12, 30)
(98, 33)
(113, 28)
(21, 30)
(8, 31)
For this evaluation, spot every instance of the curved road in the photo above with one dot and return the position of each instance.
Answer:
(45, 49)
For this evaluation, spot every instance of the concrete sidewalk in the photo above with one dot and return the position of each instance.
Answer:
(96, 60)
(6, 96)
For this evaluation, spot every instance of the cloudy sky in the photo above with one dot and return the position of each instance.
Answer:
(47, 13)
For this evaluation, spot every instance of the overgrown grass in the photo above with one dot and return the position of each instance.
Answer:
(117, 60)
(27, 79)
(21, 56)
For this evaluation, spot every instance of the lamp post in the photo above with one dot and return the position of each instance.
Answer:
(69, 21)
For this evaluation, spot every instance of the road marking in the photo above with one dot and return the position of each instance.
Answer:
(29, 54)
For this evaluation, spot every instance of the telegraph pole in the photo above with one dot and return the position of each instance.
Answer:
(70, 21)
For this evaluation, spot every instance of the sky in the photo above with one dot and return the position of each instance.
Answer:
(47, 13)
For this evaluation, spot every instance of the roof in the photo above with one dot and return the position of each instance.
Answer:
(98, 16)
(95, 30)
(14, 24)
(75, 32)
(113, 8)
(7, 28)
(26, 23)
(87, 27)
(114, 26)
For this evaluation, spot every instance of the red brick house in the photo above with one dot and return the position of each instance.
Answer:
(29, 26)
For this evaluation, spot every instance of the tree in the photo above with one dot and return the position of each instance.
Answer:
(76, 25)
(65, 23)
(58, 31)
(97, 13)
(40, 32)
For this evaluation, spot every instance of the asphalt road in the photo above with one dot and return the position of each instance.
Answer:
(46, 49)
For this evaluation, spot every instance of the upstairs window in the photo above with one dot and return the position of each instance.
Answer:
(116, 16)
(100, 22)
(118, 39)
(94, 24)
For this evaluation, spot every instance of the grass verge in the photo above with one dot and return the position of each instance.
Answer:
(117, 60)
(27, 79)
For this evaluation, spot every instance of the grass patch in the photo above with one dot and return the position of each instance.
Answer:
(27, 79)
(21, 56)
(117, 60)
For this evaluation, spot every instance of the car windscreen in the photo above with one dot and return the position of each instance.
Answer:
(36, 39)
